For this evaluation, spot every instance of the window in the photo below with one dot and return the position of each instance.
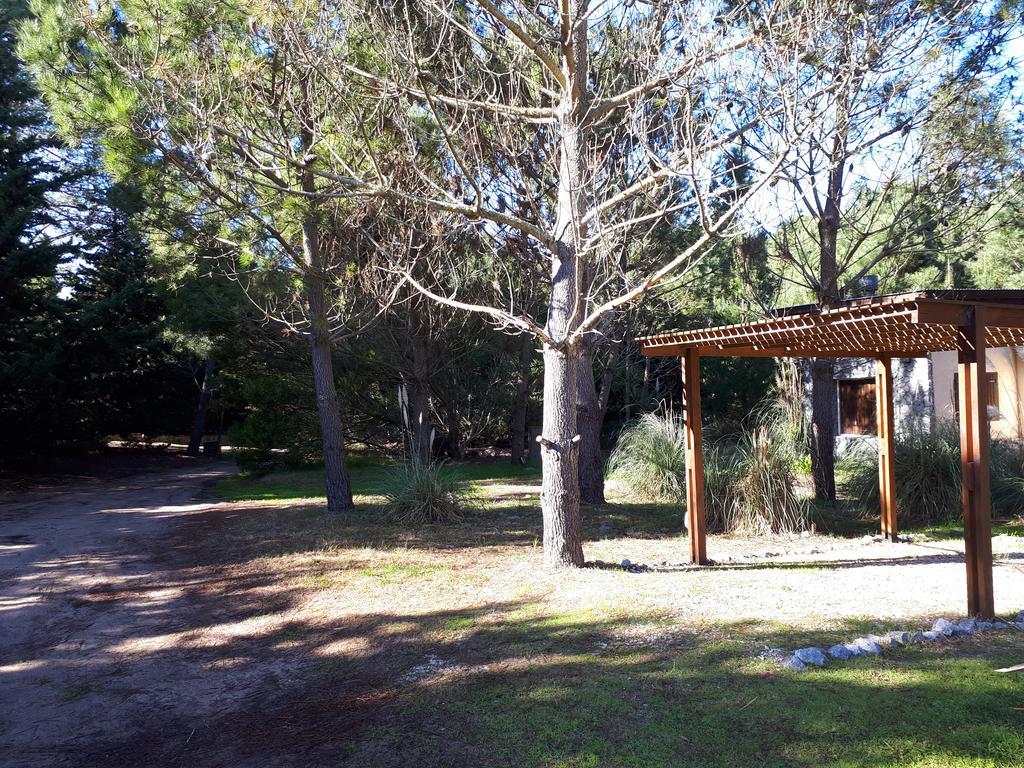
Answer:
(991, 394)
(857, 410)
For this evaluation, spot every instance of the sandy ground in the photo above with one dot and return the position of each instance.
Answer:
(80, 574)
(139, 625)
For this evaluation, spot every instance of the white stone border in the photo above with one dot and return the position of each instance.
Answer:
(873, 645)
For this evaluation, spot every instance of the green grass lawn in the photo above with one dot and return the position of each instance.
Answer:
(602, 679)
(370, 477)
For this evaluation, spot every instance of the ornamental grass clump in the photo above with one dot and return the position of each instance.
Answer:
(927, 463)
(748, 483)
(766, 498)
(425, 493)
(650, 458)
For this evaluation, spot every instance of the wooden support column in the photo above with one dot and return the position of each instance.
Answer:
(886, 446)
(695, 518)
(974, 458)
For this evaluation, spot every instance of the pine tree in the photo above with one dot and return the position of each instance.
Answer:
(31, 253)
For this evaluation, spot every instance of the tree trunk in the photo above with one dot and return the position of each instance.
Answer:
(202, 408)
(314, 284)
(560, 489)
(823, 429)
(590, 419)
(823, 404)
(521, 400)
(421, 425)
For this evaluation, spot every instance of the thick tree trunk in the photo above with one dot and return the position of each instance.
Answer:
(521, 399)
(202, 408)
(339, 487)
(560, 494)
(590, 419)
(421, 426)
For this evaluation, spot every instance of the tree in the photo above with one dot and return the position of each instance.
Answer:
(516, 96)
(31, 252)
(177, 92)
(864, 178)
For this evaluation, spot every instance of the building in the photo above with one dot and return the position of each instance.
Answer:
(924, 390)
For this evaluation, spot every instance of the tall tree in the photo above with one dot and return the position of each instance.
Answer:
(31, 251)
(893, 69)
(178, 91)
(501, 85)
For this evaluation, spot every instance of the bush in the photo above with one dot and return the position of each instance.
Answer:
(424, 493)
(650, 458)
(748, 484)
(928, 477)
(766, 497)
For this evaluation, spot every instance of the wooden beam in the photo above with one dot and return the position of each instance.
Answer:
(974, 464)
(695, 517)
(886, 446)
(958, 313)
(678, 350)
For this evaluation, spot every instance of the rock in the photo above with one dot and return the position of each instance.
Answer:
(983, 625)
(899, 638)
(955, 534)
(1020, 616)
(813, 656)
(917, 637)
(868, 646)
(945, 626)
(965, 627)
(999, 624)
(795, 664)
(878, 538)
(882, 640)
(932, 635)
(854, 649)
(840, 652)
(625, 563)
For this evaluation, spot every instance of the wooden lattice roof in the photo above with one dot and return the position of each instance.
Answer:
(897, 325)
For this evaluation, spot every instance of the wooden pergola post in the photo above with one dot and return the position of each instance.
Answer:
(886, 446)
(695, 519)
(974, 457)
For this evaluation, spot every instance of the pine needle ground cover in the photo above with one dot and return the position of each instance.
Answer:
(447, 644)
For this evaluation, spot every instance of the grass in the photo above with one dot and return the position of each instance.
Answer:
(595, 667)
(370, 477)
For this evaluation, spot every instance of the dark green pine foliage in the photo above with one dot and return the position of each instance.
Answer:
(128, 377)
(32, 313)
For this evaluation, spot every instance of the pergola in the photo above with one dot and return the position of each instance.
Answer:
(883, 328)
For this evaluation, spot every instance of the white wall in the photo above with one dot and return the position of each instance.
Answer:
(1008, 364)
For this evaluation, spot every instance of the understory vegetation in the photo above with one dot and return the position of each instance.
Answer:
(928, 476)
(425, 493)
(749, 481)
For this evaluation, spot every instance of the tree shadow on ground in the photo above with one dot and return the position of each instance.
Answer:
(513, 688)
(195, 657)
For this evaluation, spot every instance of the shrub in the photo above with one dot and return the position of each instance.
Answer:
(723, 471)
(748, 484)
(767, 499)
(928, 476)
(650, 458)
(424, 493)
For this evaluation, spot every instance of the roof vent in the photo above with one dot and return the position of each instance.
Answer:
(867, 285)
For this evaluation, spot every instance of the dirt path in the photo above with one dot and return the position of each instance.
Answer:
(82, 576)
